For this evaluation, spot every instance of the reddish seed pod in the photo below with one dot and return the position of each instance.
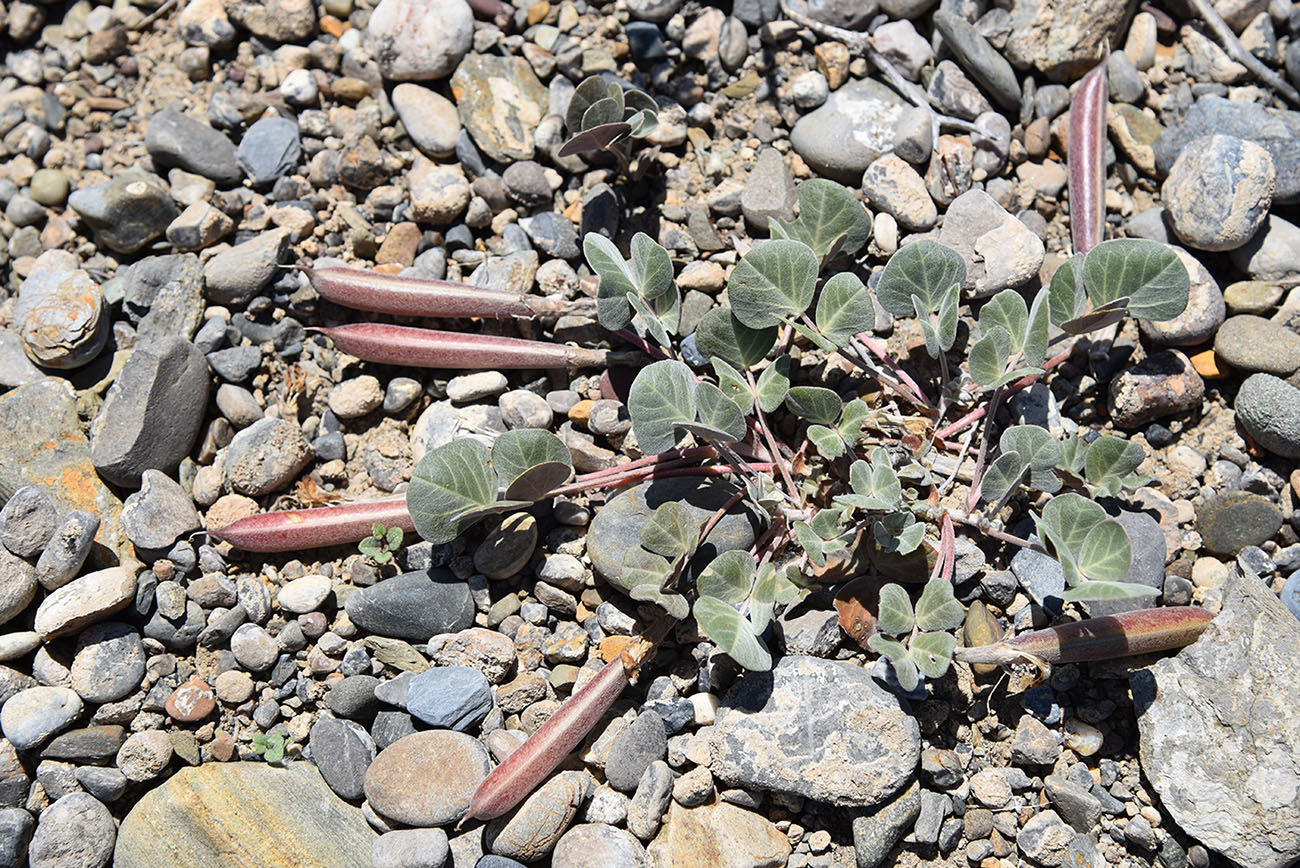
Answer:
(1086, 160)
(294, 529)
(427, 348)
(409, 296)
(525, 769)
(1138, 632)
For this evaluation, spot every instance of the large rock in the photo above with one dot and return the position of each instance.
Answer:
(850, 131)
(1220, 740)
(128, 212)
(417, 40)
(815, 728)
(176, 139)
(413, 606)
(75, 832)
(501, 103)
(427, 778)
(223, 814)
(1063, 38)
(721, 835)
(151, 413)
(1000, 251)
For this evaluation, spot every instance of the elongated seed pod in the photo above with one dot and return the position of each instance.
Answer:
(427, 348)
(1086, 159)
(1138, 632)
(543, 751)
(294, 529)
(411, 296)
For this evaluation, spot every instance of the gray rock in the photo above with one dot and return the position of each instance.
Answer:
(109, 663)
(128, 212)
(185, 142)
(1126, 84)
(342, 750)
(269, 150)
(850, 131)
(1000, 251)
(27, 521)
(87, 745)
(413, 606)
(390, 726)
(597, 844)
(531, 832)
(452, 697)
(1253, 343)
(13, 682)
(1231, 521)
(16, 827)
(107, 785)
(645, 741)
(411, 848)
(956, 94)
(848, 14)
(1045, 838)
(1062, 39)
(61, 314)
(1218, 192)
(152, 412)
(17, 585)
(160, 513)
(15, 368)
(553, 234)
(934, 808)
(769, 191)
(1041, 577)
(875, 833)
(31, 716)
(893, 186)
(782, 731)
(1274, 252)
(354, 697)
(1268, 409)
(1229, 695)
(617, 526)
(430, 119)
(236, 364)
(1076, 803)
(234, 276)
(163, 295)
(418, 40)
(77, 831)
(266, 457)
(979, 58)
(253, 647)
(1204, 314)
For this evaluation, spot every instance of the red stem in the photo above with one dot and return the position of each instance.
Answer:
(314, 528)
(1019, 385)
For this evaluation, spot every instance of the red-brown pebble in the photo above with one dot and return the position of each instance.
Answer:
(223, 747)
(192, 701)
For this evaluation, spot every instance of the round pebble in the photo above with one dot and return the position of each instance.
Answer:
(1268, 409)
(1253, 343)
(144, 755)
(192, 701)
(77, 831)
(1218, 192)
(427, 778)
(305, 594)
(356, 397)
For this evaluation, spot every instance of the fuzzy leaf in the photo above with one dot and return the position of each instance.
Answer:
(1108, 314)
(394, 537)
(932, 653)
(773, 384)
(733, 385)
(1106, 553)
(1065, 296)
(844, 308)
(898, 532)
(875, 485)
(814, 402)
(449, 481)
(601, 112)
(530, 462)
(595, 139)
(1006, 310)
(774, 280)
(718, 416)
(852, 418)
(1149, 273)
(946, 323)
(642, 123)
(729, 577)
(1036, 336)
(989, 356)
(643, 575)
(671, 531)
(732, 633)
(830, 218)
(827, 441)
(938, 609)
(638, 101)
(720, 335)
(616, 281)
(926, 269)
(904, 666)
(763, 600)
(1002, 475)
(590, 91)
(661, 400)
(1106, 591)
(652, 267)
(1058, 549)
(812, 544)
(1039, 451)
(814, 336)
(1071, 516)
(896, 616)
(1112, 457)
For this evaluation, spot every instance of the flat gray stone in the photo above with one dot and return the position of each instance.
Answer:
(160, 513)
(77, 831)
(848, 132)
(185, 142)
(413, 606)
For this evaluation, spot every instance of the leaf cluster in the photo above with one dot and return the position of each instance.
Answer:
(602, 113)
(270, 746)
(926, 644)
(382, 543)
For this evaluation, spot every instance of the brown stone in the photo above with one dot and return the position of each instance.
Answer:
(718, 836)
(1164, 384)
(400, 246)
(427, 778)
(192, 701)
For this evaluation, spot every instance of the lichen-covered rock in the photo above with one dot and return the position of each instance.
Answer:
(417, 40)
(61, 316)
(1219, 192)
(501, 102)
(1220, 741)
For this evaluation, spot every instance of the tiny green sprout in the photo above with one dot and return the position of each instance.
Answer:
(382, 543)
(270, 747)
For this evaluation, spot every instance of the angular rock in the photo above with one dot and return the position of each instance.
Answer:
(234, 276)
(164, 296)
(277, 20)
(815, 728)
(160, 513)
(179, 140)
(450, 697)
(1060, 38)
(266, 456)
(1000, 251)
(17, 585)
(1273, 253)
(1163, 384)
(769, 191)
(721, 835)
(126, 213)
(200, 819)
(641, 744)
(501, 103)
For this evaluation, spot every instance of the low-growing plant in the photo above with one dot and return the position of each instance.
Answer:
(382, 543)
(269, 746)
(603, 116)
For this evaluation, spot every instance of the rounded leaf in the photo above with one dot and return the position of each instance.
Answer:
(815, 403)
(896, 616)
(720, 335)
(925, 269)
(1148, 272)
(729, 577)
(938, 609)
(661, 399)
(530, 462)
(773, 281)
(448, 482)
(731, 632)
(844, 309)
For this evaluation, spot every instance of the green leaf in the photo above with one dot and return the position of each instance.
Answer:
(844, 308)
(662, 399)
(895, 616)
(729, 577)
(393, 537)
(595, 139)
(1112, 457)
(643, 575)
(904, 666)
(1071, 516)
(656, 328)
(447, 482)
(1073, 453)
(732, 633)
(814, 402)
(602, 112)
(827, 440)
(826, 523)
(1006, 310)
(274, 748)
(1039, 451)
(720, 335)
(773, 384)
(946, 324)
(1002, 475)
(1148, 272)
(774, 280)
(763, 598)
(719, 417)
(1108, 314)
(1065, 295)
(812, 544)
(927, 327)
(932, 653)
(652, 267)
(813, 335)
(988, 358)
(830, 217)
(369, 547)
(1106, 553)
(638, 101)
(671, 531)
(852, 418)
(1036, 336)
(938, 609)
(530, 462)
(592, 90)
(1058, 549)
(926, 269)
(1106, 591)
(898, 532)
(616, 281)
(642, 123)
(733, 384)
(875, 484)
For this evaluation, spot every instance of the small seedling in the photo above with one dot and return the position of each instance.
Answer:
(382, 543)
(603, 116)
(270, 746)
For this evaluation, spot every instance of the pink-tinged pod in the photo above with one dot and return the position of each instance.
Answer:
(294, 529)
(411, 296)
(1086, 159)
(525, 769)
(426, 348)
(1138, 632)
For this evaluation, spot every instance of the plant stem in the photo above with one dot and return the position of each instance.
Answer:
(642, 344)
(879, 352)
(771, 445)
(697, 453)
(1019, 385)
(980, 524)
(652, 474)
(978, 479)
(1233, 46)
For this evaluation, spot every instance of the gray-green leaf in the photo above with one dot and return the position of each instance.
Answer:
(932, 653)
(671, 531)
(773, 281)
(733, 384)
(814, 402)
(773, 383)
(1065, 295)
(662, 399)
(1106, 552)
(988, 358)
(1007, 310)
(1002, 475)
(1039, 450)
(732, 633)
(1112, 457)
(938, 609)
(925, 269)
(720, 335)
(895, 610)
(827, 441)
(828, 212)
(449, 481)
(844, 309)
(530, 462)
(904, 666)
(1106, 591)
(1149, 273)
(729, 577)
(1071, 516)
(718, 415)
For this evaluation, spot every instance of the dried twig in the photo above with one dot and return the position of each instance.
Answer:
(1231, 44)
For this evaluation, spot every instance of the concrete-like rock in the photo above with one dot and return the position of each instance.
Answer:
(1000, 251)
(1268, 409)
(417, 40)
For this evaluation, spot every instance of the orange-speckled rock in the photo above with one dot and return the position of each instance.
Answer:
(223, 814)
(1207, 365)
(61, 315)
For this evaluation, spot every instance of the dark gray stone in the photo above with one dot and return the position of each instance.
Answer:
(27, 521)
(769, 191)
(1041, 576)
(266, 456)
(185, 142)
(413, 606)
(389, 726)
(1075, 802)
(342, 750)
(354, 697)
(160, 513)
(109, 663)
(16, 826)
(875, 833)
(980, 59)
(848, 14)
(269, 150)
(634, 750)
(553, 234)
(90, 744)
(449, 697)
(1230, 522)
(152, 412)
(17, 585)
(236, 364)
(105, 784)
(163, 295)
(126, 213)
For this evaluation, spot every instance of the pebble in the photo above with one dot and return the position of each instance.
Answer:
(83, 601)
(768, 192)
(412, 848)
(233, 686)
(875, 832)
(1273, 253)
(354, 697)
(432, 48)
(1291, 594)
(61, 314)
(431, 120)
(236, 364)
(1203, 316)
(531, 832)
(126, 213)
(27, 521)
(809, 90)
(1164, 384)
(77, 831)
(1045, 838)
(160, 513)
(893, 186)
(482, 104)
(413, 606)
(234, 276)
(144, 755)
(719, 834)
(191, 701)
(643, 742)
(304, 594)
(468, 388)
(109, 662)
(31, 716)
(1229, 522)
(166, 294)
(18, 643)
(253, 647)
(1000, 251)
(342, 750)
(1218, 192)
(400, 394)
(177, 140)
(1268, 409)
(1253, 343)
(552, 234)
(265, 457)
(152, 412)
(521, 408)
(238, 406)
(1252, 296)
(598, 844)
(650, 801)
(850, 131)
(269, 150)
(1034, 744)
(427, 778)
(439, 193)
(452, 697)
(979, 58)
